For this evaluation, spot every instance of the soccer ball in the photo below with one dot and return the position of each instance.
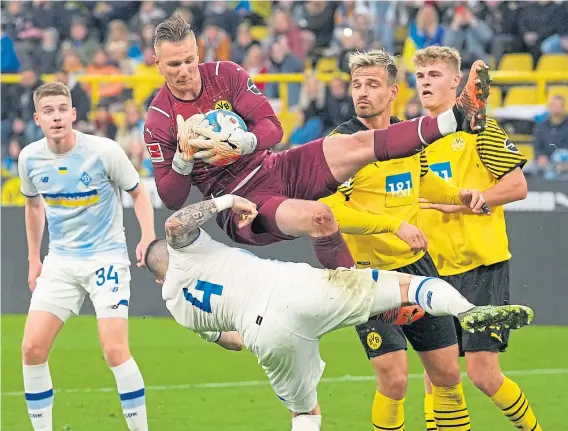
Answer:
(211, 117)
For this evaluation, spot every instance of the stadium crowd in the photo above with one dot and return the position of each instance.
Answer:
(70, 38)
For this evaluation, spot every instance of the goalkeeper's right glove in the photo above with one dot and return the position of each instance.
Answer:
(187, 129)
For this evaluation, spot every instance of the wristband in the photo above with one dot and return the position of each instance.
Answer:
(224, 202)
(182, 166)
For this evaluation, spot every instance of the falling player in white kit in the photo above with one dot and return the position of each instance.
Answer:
(75, 180)
(281, 310)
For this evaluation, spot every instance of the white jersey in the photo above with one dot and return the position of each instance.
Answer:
(81, 193)
(211, 287)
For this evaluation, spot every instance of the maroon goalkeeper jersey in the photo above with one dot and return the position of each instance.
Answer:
(225, 85)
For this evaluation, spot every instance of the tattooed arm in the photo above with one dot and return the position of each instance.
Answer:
(182, 227)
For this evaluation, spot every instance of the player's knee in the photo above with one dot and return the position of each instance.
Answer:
(116, 354)
(487, 379)
(446, 376)
(34, 353)
(392, 380)
(323, 222)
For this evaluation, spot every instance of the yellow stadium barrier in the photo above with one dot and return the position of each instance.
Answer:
(540, 79)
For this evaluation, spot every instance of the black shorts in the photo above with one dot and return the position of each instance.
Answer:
(485, 285)
(428, 333)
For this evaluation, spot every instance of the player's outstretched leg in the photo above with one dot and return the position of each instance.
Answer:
(439, 298)
(40, 331)
(113, 333)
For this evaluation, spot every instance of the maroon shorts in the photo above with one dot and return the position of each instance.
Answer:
(300, 173)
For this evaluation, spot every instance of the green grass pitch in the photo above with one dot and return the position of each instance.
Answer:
(170, 356)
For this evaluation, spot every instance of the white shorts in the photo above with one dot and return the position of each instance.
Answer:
(297, 316)
(63, 284)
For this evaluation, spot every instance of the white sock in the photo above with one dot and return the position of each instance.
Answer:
(437, 297)
(39, 395)
(387, 295)
(306, 423)
(447, 123)
(130, 386)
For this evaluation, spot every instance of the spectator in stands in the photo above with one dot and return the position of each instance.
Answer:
(71, 62)
(81, 100)
(282, 25)
(197, 11)
(338, 104)
(149, 13)
(242, 44)
(84, 44)
(551, 134)
(226, 18)
(20, 24)
(282, 60)
(536, 23)
(320, 20)
(502, 17)
(387, 16)
(413, 109)
(10, 160)
(214, 44)
(106, 11)
(424, 31)
(558, 42)
(130, 134)
(22, 110)
(46, 55)
(104, 123)
(9, 62)
(351, 42)
(255, 63)
(109, 92)
(312, 106)
(118, 32)
(118, 56)
(469, 36)
(50, 14)
(146, 68)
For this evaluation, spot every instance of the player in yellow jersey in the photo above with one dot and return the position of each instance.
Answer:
(377, 212)
(471, 252)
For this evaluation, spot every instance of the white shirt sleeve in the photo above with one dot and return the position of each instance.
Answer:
(27, 187)
(202, 245)
(212, 337)
(118, 166)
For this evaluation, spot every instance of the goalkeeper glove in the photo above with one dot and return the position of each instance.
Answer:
(187, 129)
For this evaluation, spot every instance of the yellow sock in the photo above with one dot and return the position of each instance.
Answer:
(429, 412)
(388, 414)
(515, 406)
(450, 410)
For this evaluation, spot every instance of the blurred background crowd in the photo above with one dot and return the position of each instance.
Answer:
(65, 40)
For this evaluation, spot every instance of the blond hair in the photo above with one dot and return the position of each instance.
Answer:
(431, 54)
(375, 58)
(51, 89)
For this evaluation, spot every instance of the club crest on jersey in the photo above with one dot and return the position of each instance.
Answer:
(223, 104)
(510, 146)
(85, 179)
(458, 143)
(374, 340)
(155, 151)
(251, 86)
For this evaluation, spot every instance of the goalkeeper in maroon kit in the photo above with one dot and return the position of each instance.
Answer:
(286, 185)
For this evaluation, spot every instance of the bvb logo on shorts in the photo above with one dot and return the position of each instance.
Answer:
(223, 104)
(374, 340)
(458, 143)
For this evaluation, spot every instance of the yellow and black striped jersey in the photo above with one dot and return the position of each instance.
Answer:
(467, 241)
(372, 205)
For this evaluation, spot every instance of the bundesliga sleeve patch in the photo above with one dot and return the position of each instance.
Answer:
(251, 86)
(510, 146)
(155, 151)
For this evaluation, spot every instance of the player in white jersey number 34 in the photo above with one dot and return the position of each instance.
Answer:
(75, 180)
(281, 310)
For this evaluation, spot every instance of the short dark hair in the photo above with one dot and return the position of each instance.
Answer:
(150, 257)
(173, 29)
